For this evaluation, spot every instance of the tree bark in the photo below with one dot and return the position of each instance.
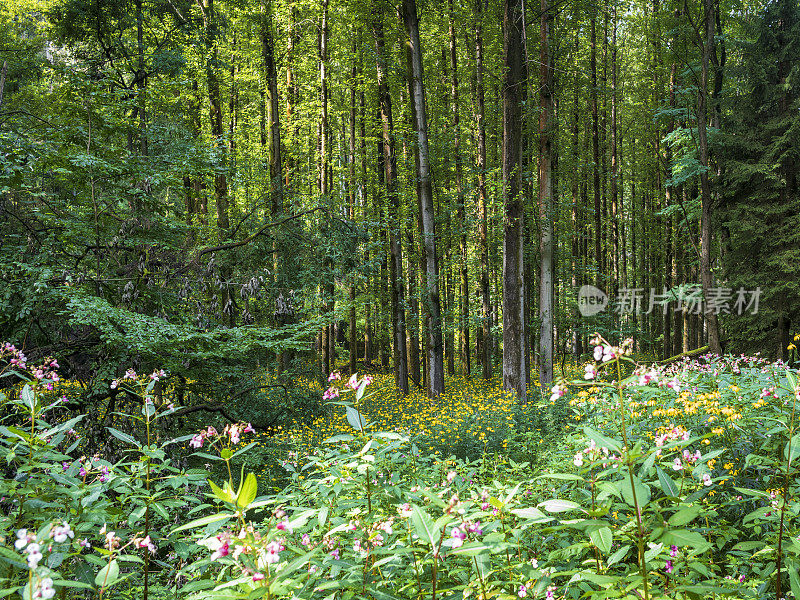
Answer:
(483, 236)
(435, 349)
(705, 187)
(546, 202)
(390, 166)
(514, 78)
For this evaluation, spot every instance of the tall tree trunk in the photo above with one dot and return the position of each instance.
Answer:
(483, 236)
(705, 188)
(435, 350)
(390, 165)
(598, 225)
(514, 78)
(460, 208)
(546, 202)
(215, 116)
(353, 345)
(273, 124)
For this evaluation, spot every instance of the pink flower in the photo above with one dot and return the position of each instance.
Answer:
(334, 376)
(353, 382)
(668, 566)
(257, 576)
(457, 537)
(284, 526)
(196, 441)
(591, 373)
(557, 392)
(523, 591)
(673, 551)
(677, 465)
(330, 393)
(706, 479)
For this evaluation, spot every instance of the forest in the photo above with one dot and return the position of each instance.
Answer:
(386, 299)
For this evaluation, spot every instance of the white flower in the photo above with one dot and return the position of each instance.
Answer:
(34, 555)
(60, 533)
(591, 372)
(578, 459)
(45, 589)
(22, 539)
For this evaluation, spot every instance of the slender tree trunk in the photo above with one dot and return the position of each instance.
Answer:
(435, 363)
(483, 236)
(598, 225)
(460, 208)
(390, 165)
(705, 187)
(546, 202)
(514, 78)
(353, 345)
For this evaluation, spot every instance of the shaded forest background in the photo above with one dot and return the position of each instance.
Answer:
(228, 188)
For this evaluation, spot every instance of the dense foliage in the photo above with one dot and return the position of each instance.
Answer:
(678, 479)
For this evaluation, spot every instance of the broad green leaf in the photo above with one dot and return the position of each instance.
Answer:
(424, 527)
(668, 486)
(602, 538)
(355, 418)
(792, 449)
(618, 555)
(791, 377)
(559, 505)
(123, 436)
(477, 548)
(684, 516)
(684, 537)
(642, 492)
(203, 521)
(28, 396)
(223, 494)
(601, 440)
(108, 575)
(248, 491)
(531, 513)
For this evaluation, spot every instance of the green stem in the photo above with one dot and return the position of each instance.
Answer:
(627, 449)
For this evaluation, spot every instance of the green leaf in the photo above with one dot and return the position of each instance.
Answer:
(642, 491)
(108, 575)
(531, 513)
(123, 436)
(424, 527)
(668, 486)
(684, 537)
(28, 397)
(203, 521)
(559, 505)
(791, 377)
(684, 516)
(248, 491)
(223, 494)
(477, 548)
(601, 440)
(355, 418)
(794, 581)
(361, 387)
(562, 477)
(602, 538)
(618, 555)
(792, 449)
